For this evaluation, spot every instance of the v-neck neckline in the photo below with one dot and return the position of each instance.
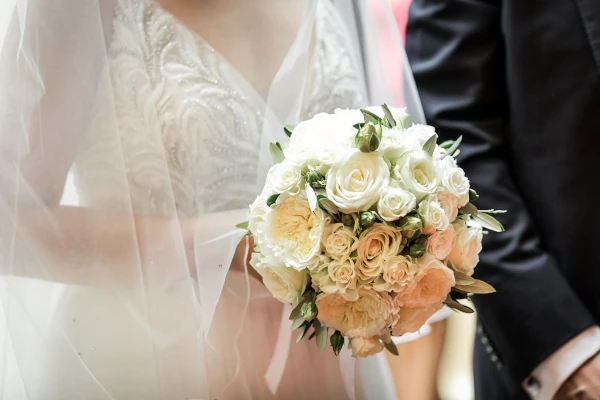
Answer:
(250, 88)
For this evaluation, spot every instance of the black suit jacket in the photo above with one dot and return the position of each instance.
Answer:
(520, 80)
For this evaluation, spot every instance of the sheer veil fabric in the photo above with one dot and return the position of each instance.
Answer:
(129, 150)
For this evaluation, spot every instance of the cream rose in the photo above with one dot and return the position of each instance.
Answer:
(412, 319)
(285, 283)
(395, 203)
(365, 347)
(368, 316)
(417, 172)
(449, 203)
(434, 217)
(440, 243)
(431, 285)
(464, 256)
(285, 177)
(340, 278)
(355, 182)
(339, 240)
(257, 217)
(454, 180)
(293, 232)
(375, 245)
(398, 273)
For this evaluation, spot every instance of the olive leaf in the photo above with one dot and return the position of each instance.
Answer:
(404, 121)
(388, 116)
(242, 225)
(429, 145)
(453, 148)
(488, 222)
(289, 129)
(304, 330)
(370, 117)
(298, 323)
(276, 153)
(321, 332)
(391, 347)
(327, 205)
(468, 208)
(450, 302)
(311, 197)
(463, 279)
(272, 199)
(447, 144)
(477, 287)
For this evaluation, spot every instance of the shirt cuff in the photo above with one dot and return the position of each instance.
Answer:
(548, 377)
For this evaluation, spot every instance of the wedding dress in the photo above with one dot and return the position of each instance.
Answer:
(172, 132)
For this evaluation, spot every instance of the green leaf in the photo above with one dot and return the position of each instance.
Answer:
(311, 196)
(388, 116)
(488, 222)
(391, 347)
(242, 225)
(289, 129)
(358, 125)
(473, 195)
(450, 302)
(312, 335)
(296, 312)
(453, 148)
(492, 211)
(276, 152)
(327, 205)
(298, 323)
(477, 287)
(272, 199)
(463, 279)
(429, 145)
(304, 330)
(458, 294)
(321, 332)
(370, 117)
(469, 208)
(404, 121)
(447, 144)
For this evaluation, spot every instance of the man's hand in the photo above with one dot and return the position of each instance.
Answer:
(584, 384)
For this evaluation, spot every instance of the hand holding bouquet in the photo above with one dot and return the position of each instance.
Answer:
(366, 226)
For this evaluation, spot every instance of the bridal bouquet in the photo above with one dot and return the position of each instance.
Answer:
(366, 226)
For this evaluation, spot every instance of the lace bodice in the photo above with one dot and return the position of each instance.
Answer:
(179, 103)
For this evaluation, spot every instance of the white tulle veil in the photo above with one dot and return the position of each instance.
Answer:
(165, 273)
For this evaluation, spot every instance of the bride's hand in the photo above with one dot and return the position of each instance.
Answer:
(243, 253)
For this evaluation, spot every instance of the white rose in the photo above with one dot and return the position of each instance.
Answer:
(395, 203)
(375, 245)
(285, 177)
(285, 283)
(417, 172)
(454, 180)
(412, 319)
(464, 256)
(365, 347)
(355, 181)
(420, 133)
(434, 217)
(395, 143)
(317, 143)
(257, 217)
(398, 273)
(293, 232)
(368, 316)
(339, 240)
(449, 203)
(340, 278)
(431, 285)
(440, 243)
